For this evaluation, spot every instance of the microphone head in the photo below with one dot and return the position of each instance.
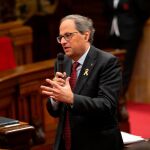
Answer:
(60, 62)
(60, 56)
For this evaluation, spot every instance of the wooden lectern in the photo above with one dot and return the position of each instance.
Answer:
(16, 136)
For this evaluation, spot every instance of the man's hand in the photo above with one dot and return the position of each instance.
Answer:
(59, 89)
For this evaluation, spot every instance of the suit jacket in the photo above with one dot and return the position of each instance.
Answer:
(131, 15)
(93, 118)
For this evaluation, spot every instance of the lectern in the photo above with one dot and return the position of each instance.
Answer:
(16, 136)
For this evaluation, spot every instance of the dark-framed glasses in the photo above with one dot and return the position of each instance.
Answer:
(67, 36)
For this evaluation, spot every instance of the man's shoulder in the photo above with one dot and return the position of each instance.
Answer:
(102, 53)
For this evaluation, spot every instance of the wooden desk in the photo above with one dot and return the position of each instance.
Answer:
(16, 137)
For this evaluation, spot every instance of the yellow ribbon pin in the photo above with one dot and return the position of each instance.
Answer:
(86, 73)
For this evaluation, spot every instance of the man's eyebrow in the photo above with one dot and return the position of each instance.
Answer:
(65, 33)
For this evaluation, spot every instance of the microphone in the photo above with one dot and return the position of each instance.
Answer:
(60, 62)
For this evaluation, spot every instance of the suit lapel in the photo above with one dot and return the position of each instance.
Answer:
(86, 70)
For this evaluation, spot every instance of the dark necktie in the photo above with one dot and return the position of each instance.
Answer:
(67, 132)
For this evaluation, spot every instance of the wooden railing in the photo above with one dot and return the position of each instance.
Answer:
(20, 96)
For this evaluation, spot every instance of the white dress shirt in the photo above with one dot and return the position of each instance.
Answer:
(114, 27)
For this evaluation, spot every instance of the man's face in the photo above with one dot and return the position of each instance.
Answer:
(75, 43)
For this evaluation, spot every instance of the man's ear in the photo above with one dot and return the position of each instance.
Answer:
(87, 35)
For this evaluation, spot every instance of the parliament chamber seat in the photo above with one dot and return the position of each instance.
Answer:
(16, 136)
(21, 41)
(7, 60)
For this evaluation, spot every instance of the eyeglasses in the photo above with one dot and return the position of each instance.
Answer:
(67, 36)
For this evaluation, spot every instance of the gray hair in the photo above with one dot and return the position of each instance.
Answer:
(82, 24)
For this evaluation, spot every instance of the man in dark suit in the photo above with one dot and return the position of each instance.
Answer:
(92, 104)
(126, 20)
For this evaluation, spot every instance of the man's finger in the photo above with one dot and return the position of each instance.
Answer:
(46, 88)
(53, 84)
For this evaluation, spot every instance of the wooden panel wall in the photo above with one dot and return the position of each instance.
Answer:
(139, 89)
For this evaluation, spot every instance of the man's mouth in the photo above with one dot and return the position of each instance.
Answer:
(66, 48)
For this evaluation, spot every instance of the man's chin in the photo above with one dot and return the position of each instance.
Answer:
(68, 53)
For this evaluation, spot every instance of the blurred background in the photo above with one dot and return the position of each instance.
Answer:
(28, 48)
